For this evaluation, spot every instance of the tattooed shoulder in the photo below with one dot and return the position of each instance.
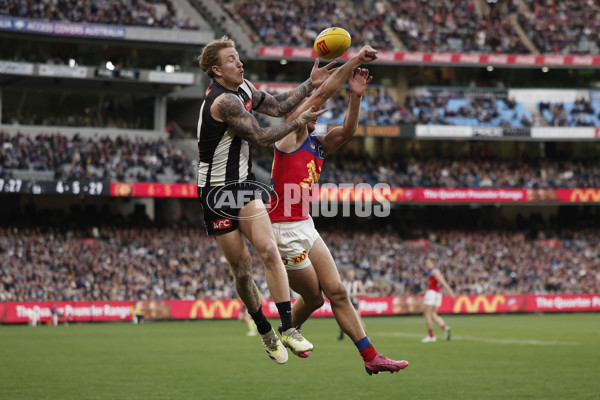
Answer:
(229, 106)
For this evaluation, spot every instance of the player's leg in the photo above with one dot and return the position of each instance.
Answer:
(428, 314)
(345, 314)
(336, 292)
(236, 252)
(306, 283)
(440, 321)
(256, 226)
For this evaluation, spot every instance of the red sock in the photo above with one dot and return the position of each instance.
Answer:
(430, 332)
(368, 353)
(444, 328)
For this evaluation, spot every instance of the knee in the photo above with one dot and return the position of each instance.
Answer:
(338, 294)
(269, 253)
(315, 302)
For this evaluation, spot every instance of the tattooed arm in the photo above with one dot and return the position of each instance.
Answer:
(229, 109)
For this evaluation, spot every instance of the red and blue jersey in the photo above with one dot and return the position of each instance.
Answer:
(293, 176)
(432, 283)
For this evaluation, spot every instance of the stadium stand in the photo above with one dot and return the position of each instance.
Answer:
(135, 259)
(149, 13)
(450, 107)
(124, 158)
(579, 113)
(297, 23)
(153, 263)
(565, 27)
(443, 26)
(131, 159)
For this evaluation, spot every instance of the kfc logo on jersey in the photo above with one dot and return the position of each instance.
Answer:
(299, 259)
(221, 224)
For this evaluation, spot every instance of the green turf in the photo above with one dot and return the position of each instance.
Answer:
(490, 357)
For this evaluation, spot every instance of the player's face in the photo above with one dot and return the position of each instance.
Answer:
(230, 67)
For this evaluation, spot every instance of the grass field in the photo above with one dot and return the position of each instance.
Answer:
(489, 357)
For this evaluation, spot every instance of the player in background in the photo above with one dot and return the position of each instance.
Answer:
(244, 317)
(226, 126)
(297, 165)
(433, 299)
(355, 290)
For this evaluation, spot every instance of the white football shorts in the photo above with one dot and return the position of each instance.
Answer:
(294, 240)
(432, 298)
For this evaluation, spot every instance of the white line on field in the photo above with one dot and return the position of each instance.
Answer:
(488, 340)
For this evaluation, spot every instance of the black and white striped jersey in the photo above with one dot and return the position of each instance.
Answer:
(223, 156)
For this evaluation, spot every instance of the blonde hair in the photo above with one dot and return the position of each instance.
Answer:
(210, 54)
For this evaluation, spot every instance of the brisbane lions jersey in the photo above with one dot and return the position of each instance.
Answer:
(292, 178)
(432, 283)
(224, 156)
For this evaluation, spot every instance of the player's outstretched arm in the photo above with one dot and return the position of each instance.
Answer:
(229, 109)
(440, 278)
(357, 84)
(281, 104)
(336, 80)
(339, 76)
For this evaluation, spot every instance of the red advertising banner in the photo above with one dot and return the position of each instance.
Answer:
(472, 59)
(520, 303)
(75, 311)
(142, 189)
(85, 311)
(578, 195)
(382, 192)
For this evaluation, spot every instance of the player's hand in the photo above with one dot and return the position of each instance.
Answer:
(367, 54)
(320, 75)
(311, 115)
(358, 80)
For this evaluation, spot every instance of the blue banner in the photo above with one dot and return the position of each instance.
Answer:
(62, 28)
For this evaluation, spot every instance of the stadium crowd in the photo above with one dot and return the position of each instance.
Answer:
(121, 12)
(184, 263)
(441, 26)
(444, 108)
(456, 173)
(127, 159)
(437, 26)
(122, 159)
(581, 112)
(297, 23)
(565, 27)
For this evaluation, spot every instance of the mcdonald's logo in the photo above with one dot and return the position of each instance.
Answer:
(585, 195)
(226, 309)
(473, 306)
(396, 194)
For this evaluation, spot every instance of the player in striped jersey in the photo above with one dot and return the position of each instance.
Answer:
(355, 289)
(231, 200)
